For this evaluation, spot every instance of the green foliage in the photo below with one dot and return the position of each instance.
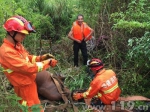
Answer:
(6, 5)
(125, 51)
(134, 86)
(36, 108)
(135, 17)
(60, 13)
(131, 25)
(31, 43)
(12, 104)
(137, 65)
(78, 79)
(43, 26)
(138, 54)
(11, 101)
(90, 9)
(5, 12)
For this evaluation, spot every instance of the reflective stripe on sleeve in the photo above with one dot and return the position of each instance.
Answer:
(40, 66)
(99, 95)
(111, 89)
(85, 94)
(108, 91)
(33, 59)
(6, 70)
(24, 103)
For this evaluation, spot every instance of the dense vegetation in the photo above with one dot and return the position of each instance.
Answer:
(125, 24)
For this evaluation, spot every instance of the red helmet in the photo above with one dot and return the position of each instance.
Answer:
(18, 24)
(95, 64)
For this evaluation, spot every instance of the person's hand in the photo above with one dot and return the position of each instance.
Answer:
(47, 56)
(79, 41)
(53, 62)
(86, 38)
(77, 96)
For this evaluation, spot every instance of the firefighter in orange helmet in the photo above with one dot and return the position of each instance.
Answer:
(104, 85)
(18, 65)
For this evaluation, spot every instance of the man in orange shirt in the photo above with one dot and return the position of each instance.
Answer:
(80, 33)
(104, 85)
(18, 65)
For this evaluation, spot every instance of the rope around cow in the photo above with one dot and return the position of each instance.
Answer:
(50, 106)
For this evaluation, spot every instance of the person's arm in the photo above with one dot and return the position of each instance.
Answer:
(93, 90)
(90, 34)
(70, 36)
(34, 58)
(22, 65)
(43, 57)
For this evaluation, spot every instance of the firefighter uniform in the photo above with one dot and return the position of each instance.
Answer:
(104, 86)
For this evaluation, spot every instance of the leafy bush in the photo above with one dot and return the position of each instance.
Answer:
(78, 79)
(131, 83)
(135, 17)
(138, 54)
(134, 79)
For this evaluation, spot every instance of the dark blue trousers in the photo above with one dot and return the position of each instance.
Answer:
(80, 46)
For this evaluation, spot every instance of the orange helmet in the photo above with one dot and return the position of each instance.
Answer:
(18, 24)
(95, 64)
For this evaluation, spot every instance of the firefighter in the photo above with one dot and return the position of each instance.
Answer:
(104, 86)
(18, 65)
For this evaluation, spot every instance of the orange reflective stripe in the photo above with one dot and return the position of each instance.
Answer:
(111, 89)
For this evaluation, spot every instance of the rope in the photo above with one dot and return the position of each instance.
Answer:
(50, 106)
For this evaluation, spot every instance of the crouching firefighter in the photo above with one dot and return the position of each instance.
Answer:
(104, 86)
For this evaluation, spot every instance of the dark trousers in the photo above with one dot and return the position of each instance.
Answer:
(82, 47)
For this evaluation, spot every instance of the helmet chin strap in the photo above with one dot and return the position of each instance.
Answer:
(13, 37)
(99, 70)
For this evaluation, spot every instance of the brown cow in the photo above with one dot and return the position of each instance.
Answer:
(51, 87)
(46, 86)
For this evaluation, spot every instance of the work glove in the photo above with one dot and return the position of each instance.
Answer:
(53, 62)
(46, 56)
(77, 96)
